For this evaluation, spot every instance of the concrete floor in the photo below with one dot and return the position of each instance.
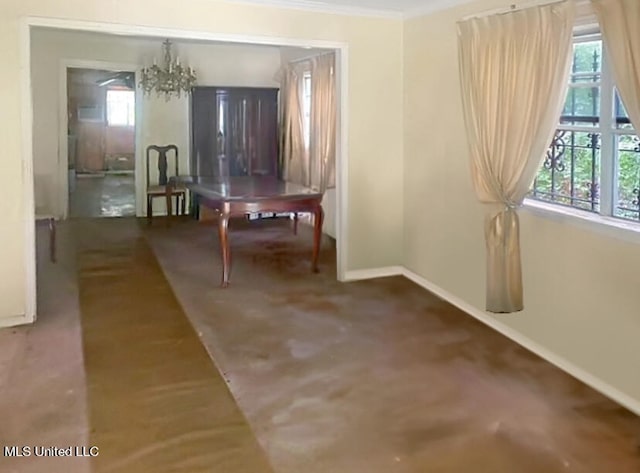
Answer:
(156, 401)
(103, 195)
(373, 376)
(42, 378)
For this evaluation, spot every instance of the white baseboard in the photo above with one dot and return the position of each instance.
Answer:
(589, 379)
(15, 320)
(373, 273)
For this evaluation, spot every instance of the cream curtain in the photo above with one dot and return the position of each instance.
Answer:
(513, 71)
(322, 143)
(294, 157)
(620, 25)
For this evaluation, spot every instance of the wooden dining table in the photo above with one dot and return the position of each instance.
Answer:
(238, 196)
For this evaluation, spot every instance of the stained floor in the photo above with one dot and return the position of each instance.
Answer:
(373, 376)
(156, 400)
(103, 195)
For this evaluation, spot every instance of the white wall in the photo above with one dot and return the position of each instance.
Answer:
(374, 74)
(581, 288)
(161, 122)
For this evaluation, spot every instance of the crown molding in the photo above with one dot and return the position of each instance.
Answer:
(432, 7)
(321, 7)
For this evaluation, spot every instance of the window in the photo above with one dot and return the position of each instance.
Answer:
(306, 108)
(593, 162)
(91, 113)
(120, 107)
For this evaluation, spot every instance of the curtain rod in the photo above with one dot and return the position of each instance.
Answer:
(307, 58)
(513, 8)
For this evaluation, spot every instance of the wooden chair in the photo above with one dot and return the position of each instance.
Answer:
(159, 189)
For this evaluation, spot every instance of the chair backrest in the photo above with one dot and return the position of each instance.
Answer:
(162, 162)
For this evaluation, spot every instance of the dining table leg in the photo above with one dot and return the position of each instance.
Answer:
(318, 217)
(223, 232)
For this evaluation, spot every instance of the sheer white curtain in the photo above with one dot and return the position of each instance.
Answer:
(294, 157)
(313, 165)
(620, 25)
(513, 72)
(322, 143)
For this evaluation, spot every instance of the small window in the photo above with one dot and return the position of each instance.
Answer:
(90, 113)
(121, 107)
(306, 108)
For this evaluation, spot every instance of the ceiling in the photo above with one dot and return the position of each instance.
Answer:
(391, 8)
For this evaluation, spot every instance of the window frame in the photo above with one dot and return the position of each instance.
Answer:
(604, 220)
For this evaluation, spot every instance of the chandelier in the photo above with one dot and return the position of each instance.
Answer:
(171, 78)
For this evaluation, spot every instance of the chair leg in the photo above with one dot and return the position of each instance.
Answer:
(195, 207)
(149, 209)
(183, 209)
(169, 208)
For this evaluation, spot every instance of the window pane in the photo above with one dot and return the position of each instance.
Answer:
(620, 113)
(582, 106)
(306, 107)
(570, 174)
(120, 107)
(587, 57)
(628, 185)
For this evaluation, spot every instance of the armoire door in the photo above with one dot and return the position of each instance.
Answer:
(204, 131)
(234, 131)
(265, 155)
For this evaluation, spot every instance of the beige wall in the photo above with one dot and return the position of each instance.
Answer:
(374, 83)
(581, 288)
(161, 122)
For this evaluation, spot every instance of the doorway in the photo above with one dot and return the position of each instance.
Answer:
(101, 117)
(53, 180)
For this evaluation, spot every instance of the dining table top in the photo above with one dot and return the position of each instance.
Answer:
(245, 188)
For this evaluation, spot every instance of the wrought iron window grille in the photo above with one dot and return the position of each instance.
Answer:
(593, 161)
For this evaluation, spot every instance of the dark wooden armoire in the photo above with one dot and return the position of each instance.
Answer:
(234, 130)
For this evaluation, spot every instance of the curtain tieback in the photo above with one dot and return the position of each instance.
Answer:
(499, 227)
